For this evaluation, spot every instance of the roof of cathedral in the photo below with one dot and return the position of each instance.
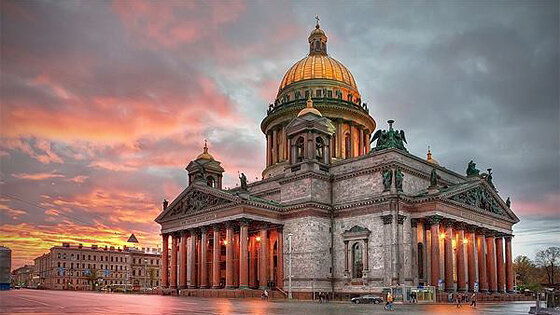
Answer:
(205, 155)
(318, 65)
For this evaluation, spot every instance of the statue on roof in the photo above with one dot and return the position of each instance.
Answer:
(243, 180)
(471, 169)
(434, 178)
(508, 202)
(389, 138)
(489, 179)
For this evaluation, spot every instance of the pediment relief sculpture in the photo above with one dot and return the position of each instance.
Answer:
(480, 198)
(194, 202)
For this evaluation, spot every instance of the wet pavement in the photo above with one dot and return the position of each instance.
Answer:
(57, 302)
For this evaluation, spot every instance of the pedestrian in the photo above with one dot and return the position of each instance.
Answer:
(473, 300)
(389, 302)
(265, 293)
(459, 299)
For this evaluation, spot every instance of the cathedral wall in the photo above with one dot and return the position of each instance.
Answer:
(357, 188)
(306, 189)
(311, 258)
(413, 184)
(376, 250)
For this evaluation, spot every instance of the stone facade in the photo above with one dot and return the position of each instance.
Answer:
(69, 267)
(359, 219)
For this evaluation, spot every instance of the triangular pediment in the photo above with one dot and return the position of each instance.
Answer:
(481, 196)
(196, 199)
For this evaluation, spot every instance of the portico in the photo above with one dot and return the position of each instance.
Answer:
(242, 253)
(473, 255)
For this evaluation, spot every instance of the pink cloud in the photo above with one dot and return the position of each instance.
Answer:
(37, 176)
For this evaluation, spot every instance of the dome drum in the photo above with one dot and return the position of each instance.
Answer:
(331, 88)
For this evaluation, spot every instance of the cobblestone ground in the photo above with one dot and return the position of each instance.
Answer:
(57, 302)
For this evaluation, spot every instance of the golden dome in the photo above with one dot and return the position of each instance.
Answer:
(205, 155)
(309, 109)
(318, 67)
(429, 158)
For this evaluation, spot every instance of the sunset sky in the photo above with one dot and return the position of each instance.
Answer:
(103, 104)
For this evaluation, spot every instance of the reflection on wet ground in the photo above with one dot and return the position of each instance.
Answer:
(56, 302)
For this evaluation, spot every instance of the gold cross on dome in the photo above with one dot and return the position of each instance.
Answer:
(317, 18)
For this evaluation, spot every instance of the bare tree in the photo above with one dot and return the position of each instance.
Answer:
(549, 259)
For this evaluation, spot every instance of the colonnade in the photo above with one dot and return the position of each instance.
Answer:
(234, 254)
(349, 140)
(462, 256)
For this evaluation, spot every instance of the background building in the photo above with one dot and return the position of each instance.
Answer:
(24, 276)
(78, 267)
(359, 219)
(5, 267)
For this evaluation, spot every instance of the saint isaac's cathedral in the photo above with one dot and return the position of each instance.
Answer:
(360, 212)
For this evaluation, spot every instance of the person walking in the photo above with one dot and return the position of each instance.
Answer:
(474, 300)
(390, 302)
(459, 299)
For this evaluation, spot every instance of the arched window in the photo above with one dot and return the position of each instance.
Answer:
(357, 261)
(299, 149)
(347, 145)
(210, 181)
(319, 149)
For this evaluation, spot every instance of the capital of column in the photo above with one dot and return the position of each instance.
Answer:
(508, 238)
(193, 231)
(448, 223)
(387, 219)
(459, 225)
(203, 229)
(434, 219)
(216, 227)
(401, 218)
(471, 228)
(414, 222)
(244, 222)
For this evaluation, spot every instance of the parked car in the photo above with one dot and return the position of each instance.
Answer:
(367, 299)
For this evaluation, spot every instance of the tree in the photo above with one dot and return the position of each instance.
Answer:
(91, 278)
(549, 259)
(524, 268)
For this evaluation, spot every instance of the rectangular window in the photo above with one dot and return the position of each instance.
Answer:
(318, 93)
(329, 94)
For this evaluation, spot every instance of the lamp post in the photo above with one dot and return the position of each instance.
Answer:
(290, 265)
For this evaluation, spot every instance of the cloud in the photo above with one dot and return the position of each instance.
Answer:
(104, 104)
(37, 176)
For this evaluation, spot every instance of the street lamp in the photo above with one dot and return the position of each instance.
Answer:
(290, 265)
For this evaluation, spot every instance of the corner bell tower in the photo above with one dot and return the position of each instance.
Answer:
(205, 170)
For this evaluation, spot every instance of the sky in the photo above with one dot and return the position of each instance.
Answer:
(103, 104)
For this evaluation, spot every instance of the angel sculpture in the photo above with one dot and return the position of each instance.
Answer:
(389, 138)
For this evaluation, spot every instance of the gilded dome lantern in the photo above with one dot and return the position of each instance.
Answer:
(334, 93)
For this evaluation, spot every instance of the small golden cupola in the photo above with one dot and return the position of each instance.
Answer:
(309, 109)
(429, 158)
(205, 155)
(317, 41)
